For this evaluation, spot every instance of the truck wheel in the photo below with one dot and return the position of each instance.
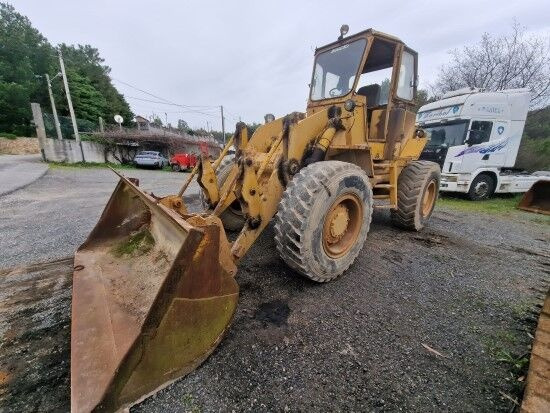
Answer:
(482, 187)
(417, 192)
(176, 167)
(323, 219)
(232, 218)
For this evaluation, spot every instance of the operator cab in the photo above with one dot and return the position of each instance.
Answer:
(372, 69)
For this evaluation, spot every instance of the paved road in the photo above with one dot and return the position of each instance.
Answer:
(51, 217)
(465, 287)
(18, 171)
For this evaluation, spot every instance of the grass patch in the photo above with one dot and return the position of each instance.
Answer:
(89, 165)
(499, 348)
(137, 244)
(189, 404)
(522, 309)
(498, 205)
(8, 135)
(495, 205)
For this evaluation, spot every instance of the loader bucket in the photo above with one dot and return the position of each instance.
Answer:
(153, 294)
(537, 198)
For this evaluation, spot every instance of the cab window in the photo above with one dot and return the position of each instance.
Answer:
(481, 131)
(405, 85)
(375, 79)
(334, 68)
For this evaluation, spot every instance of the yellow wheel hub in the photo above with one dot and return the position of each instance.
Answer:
(339, 221)
(342, 225)
(428, 199)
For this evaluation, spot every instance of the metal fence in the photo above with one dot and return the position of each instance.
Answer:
(84, 126)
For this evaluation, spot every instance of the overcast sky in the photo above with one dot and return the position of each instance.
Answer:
(255, 57)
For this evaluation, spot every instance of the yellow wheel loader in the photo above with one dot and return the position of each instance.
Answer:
(154, 286)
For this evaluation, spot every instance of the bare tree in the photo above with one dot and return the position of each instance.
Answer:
(510, 61)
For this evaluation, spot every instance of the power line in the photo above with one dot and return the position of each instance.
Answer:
(161, 98)
(163, 101)
(187, 108)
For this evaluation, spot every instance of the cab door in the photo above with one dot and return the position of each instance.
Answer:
(476, 154)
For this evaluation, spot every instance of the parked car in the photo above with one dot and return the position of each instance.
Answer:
(183, 161)
(150, 159)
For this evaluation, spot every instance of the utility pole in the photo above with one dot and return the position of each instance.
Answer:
(68, 93)
(223, 125)
(40, 129)
(70, 104)
(54, 110)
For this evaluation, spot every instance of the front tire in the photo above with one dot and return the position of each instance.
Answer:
(482, 187)
(323, 219)
(417, 193)
(176, 167)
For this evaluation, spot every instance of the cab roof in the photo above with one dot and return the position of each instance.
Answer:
(370, 32)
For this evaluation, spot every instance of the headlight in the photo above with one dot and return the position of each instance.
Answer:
(349, 105)
(269, 118)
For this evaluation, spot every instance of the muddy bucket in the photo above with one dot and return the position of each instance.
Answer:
(537, 199)
(153, 294)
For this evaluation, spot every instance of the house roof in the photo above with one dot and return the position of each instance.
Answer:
(141, 119)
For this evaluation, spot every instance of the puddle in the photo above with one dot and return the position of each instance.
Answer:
(273, 312)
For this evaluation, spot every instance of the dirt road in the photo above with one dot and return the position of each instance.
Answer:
(426, 321)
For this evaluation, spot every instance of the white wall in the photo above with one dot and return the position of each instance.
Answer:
(68, 150)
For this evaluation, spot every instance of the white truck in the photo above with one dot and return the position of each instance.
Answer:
(475, 137)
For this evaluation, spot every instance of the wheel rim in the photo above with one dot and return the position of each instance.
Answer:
(481, 189)
(342, 225)
(428, 199)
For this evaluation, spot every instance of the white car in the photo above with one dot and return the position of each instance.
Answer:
(150, 159)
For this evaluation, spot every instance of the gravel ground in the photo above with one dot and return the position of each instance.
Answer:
(50, 218)
(464, 287)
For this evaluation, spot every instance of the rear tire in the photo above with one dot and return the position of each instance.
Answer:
(417, 193)
(176, 167)
(482, 187)
(323, 219)
(232, 218)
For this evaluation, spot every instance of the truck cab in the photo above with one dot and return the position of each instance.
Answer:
(475, 137)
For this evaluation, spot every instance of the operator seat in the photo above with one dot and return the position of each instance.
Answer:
(375, 117)
(372, 93)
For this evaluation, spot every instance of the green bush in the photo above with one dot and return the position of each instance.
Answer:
(534, 154)
(7, 135)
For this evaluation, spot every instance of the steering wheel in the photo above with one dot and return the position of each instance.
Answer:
(334, 92)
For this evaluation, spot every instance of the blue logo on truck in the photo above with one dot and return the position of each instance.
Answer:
(500, 129)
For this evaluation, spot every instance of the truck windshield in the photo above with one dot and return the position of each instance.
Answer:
(448, 134)
(335, 69)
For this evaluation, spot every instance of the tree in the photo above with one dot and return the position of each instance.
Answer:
(182, 125)
(88, 102)
(157, 122)
(515, 60)
(87, 62)
(422, 98)
(24, 53)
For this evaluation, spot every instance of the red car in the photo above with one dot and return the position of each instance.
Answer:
(183, 161)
